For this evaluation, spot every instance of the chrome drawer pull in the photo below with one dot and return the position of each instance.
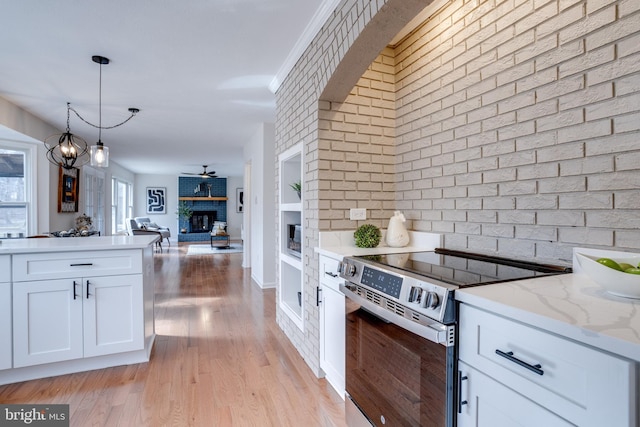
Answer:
(80, 265)
(509, 356)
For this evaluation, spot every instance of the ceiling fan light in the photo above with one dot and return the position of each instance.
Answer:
(99, 155)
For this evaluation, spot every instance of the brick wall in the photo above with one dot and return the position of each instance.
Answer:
(518, 126)
(516, 129)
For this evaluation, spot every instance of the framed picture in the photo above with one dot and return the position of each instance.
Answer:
(68, 189)
(239, 200)
(156, 200)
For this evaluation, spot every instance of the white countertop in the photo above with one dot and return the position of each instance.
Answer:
(338, 244)
(64, 244)
(571, 305)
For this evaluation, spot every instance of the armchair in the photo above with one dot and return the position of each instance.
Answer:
(134, 230)
(146, 224)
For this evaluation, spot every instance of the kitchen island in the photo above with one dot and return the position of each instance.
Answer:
(74, 304)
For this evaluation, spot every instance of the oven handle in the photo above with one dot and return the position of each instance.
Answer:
(428, 332)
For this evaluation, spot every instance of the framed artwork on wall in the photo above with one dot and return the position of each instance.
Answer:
(68, 189)
(156, 200)
(239, 200)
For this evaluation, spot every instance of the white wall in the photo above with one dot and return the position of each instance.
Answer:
(234, 218)
(170, 182)
(260, 152)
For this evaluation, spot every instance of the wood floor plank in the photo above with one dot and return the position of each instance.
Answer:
(219, 360)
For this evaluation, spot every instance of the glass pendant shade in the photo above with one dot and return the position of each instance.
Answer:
(68, 151)
(99, 155)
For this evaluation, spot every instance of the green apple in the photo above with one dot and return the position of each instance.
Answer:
(632, 270)
(624, 266)
(609, 263)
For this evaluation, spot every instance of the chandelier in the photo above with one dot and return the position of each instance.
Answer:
(70, 150)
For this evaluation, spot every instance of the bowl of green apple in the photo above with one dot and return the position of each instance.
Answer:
(619, 276)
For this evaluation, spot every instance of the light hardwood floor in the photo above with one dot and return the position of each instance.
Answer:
(219, 360)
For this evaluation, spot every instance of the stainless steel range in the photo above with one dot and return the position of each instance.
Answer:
(401, 331)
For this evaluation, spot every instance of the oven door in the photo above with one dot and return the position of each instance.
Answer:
(393, 376)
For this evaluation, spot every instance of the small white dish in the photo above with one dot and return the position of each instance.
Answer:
(613, 281)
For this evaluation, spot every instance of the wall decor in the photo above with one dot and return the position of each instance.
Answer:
(156, 200)
(239, 200)
(68, 189)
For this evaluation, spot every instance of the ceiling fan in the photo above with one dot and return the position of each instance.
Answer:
(204, 173)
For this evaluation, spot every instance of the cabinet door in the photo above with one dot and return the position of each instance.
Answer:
(5, 326)
(47, 321)
(113, 314)
(491, 404)
(332, 337)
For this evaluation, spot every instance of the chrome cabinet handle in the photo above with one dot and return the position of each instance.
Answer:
(460, 401)
(318, 301)
(88, 289)
(510, 357)
(75, 295)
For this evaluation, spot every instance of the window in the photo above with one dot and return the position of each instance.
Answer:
(121, 205)
(17, 218)
(94, 197)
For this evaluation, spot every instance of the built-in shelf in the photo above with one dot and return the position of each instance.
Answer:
(203, 198)
(291, 285)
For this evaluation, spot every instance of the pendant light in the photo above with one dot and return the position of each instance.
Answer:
(67, 150)
(100, 153)
(70, 150)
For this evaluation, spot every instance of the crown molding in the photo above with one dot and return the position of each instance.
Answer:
(317, 21)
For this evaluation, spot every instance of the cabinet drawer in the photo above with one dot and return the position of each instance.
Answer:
(329, 268)
(5, 268)
(44, 266)
(581, 384)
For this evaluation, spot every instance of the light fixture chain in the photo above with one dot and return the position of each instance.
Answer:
(99, 126)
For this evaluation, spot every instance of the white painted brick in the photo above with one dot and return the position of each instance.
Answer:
(504, 231)
(586, 201)
(499, 175)
(554, 253)
(585, 131)
(467, 228)
(536, 232)
(614, 32)
(561, 152)
(627, 161)
(560, 87)
(586, 97)
(586, 236)
(517, 130)
(482, 244)
(517, 188)
(590, 60)
(621, 67)
(499, 203)
(483, 190)
(561, 218)
(625, 180)
(517, 159)
(628, 239)
(537, 202)
(562, 185)
(628, 7)
(516, 217)
(629, 46)
(611, 144)
(515, 249)
(553, 25)
(615, 106)
(587, 166)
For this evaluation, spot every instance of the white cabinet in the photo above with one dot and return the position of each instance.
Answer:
(489, 403)
(332, 324)
(290, 289)
(574, 382)
(5, 312)
(76, 316)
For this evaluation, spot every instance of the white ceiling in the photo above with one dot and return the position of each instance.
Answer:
(199, 71)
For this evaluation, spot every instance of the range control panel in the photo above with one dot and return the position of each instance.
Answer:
(421, 294)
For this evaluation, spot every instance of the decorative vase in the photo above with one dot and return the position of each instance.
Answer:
(397, 234)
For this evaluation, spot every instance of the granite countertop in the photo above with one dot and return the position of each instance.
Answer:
(64, 244)
(570, 305)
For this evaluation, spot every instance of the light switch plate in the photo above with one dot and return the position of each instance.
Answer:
(357, 214)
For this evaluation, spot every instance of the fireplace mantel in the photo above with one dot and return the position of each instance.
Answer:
(203, 198)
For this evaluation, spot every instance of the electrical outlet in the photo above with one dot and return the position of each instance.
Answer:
(357, 214)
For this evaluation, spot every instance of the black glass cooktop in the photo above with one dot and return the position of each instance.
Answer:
(465, 268)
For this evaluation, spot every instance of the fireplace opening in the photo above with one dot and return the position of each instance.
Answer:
(202, 221)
